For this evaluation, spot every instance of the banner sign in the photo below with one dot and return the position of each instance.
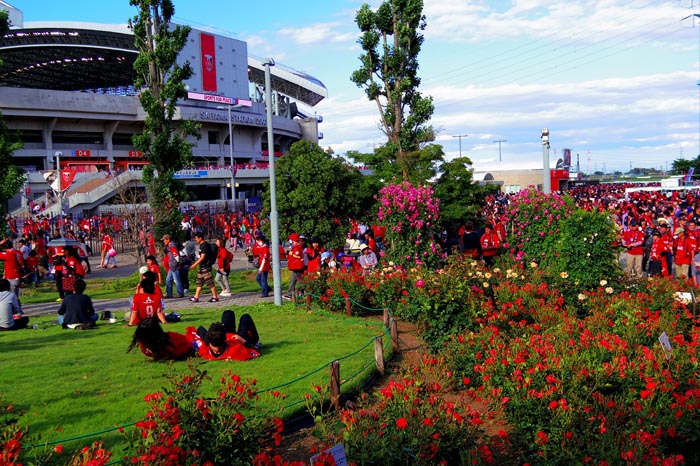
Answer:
(208, 62)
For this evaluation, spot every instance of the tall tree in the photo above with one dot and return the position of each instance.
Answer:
(391, 40)
(318, 193)
(161, 81)
(11, 176)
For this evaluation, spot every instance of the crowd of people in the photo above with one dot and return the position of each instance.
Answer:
(659, 236)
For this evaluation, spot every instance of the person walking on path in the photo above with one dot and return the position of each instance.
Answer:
(223, 264)
(206, 260)
(171, 261)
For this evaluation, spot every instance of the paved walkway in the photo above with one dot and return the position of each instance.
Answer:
(127, 266)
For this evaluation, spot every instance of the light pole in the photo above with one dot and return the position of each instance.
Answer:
(460, 136)
(274, 221)
(499, 141)
(230, 151)
(58, 155)
(546, 182)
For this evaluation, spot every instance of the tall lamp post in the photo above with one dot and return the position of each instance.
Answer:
(460, 136)
(274, 220)
(230, 151)
(58, 155)
(546, 182)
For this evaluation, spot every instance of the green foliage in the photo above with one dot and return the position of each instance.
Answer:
(161, 81)
(587, 249)
(550, 231)
(460, 197)
(391, 41)
(317, 193)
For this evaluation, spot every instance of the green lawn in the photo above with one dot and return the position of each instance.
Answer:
(71, 383)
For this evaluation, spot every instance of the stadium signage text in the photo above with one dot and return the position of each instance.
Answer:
(235, 118)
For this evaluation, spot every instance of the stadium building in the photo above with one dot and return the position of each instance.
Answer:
(67, 90)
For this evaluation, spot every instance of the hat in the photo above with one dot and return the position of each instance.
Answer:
(326, 255)
(258, 233)
(363, 247)
(143, 270)
(314, 239)
(294, 237)
(679, 230)
(661, 221)
(302, 237)
(165, 237)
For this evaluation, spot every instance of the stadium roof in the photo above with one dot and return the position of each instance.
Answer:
(91, 57)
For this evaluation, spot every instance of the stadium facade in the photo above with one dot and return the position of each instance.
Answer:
(67, 89)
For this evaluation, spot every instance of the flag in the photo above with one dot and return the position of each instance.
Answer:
(67, 177)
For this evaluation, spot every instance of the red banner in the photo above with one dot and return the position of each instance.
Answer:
(208, 62)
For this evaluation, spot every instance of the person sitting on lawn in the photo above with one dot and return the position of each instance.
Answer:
(76, 310)
(146, 303)
(11, 317)
(155, 343)
(222, 342)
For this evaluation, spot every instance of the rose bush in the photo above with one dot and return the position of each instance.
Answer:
(410, 214)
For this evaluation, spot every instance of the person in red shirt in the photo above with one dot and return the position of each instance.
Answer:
(261, 253)
(223, 264)
(223, 342)
(152, 265)
(72, 270)
(146, 304)
(490, 245)
(683, 252)
(633, 241)
(295, 263)
(313, 255)
(657, 264)
(155, 343)
(107, 244)
(14, 263)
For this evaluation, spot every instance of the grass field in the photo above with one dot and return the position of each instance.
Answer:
(71, 383)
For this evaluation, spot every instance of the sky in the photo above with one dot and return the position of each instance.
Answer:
(615, 81)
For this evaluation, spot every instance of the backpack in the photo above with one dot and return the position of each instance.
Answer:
(214, 249)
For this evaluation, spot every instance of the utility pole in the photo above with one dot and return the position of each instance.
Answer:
(460, 136)
(546, 182)
(499, 141)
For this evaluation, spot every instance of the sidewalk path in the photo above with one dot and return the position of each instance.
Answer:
(127, 266)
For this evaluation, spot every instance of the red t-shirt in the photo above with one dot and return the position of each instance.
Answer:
(295, 259)
(178, 348)
(12, 264)
(145, 305)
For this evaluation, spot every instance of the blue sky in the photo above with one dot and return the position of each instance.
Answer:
(613, 80)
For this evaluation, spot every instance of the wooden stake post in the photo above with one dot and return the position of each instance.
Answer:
(335, 384)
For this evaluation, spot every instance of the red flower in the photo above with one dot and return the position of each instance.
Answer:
(58, 449)
(401, 423)
(542, 438)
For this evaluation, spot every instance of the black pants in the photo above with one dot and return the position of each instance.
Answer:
(246, 328)
(59, 283)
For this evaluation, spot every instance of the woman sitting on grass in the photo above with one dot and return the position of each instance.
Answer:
(146, 303)
(158, 344)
